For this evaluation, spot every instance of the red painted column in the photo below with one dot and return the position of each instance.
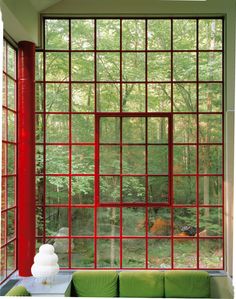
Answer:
(26, 157)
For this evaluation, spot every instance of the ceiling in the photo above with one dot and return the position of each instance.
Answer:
(40, 5)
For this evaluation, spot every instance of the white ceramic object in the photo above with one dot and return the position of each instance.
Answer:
(45, 263)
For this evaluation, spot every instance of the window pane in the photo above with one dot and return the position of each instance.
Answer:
(11, 189)
(159, 66)
(3, 227)
(108, 253)
(4, 202)
(11, 61)
(210, 128)
(39, 66)
(184, 66)
(57, 158)
(39, 156)
(82, 253)
(157, 159)
(57, 97)
(11, 222)
(133, 253)
(39, 221)
(11, 94)
(157, 130)
(211, 253)
(11, 126)
(57, 128)
(185, 128)
(109, 159)
(108, 97)
(82, 34)
(159, 221)
(39, 97)
(185, 159)
(133, 130)
(159, 97)
(83, 222)
(133, 221)
(56, 221)
(210, 66)
(159, 253)
(133, 97)
(184, 97)
(185, 34)
(3, 272)
(82, 97)
(133, 159)
(108, 222)
(82, 190)
(133, 189)
(4, 124)
(210, 159)
(109, 131)
(108, 34)
(185, 190)
(109, 187)
(4, 90)
(133, 66)
(210, 97)
(185, 222)
(108, 67)
(4, 159)
(82, 128)
(57, 34)
(11, 159)
(133, 34)
(57, 66)
(11, 257)
(39, 128)
(158, 189)
(61, 249)
(210, 190)
(39, 190)
(211, 221)
(82, 159)
(210, 34)
(57, 190)
(159, 34)
(82, 66)
(185, 253)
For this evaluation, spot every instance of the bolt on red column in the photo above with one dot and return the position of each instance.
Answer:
(26, 157)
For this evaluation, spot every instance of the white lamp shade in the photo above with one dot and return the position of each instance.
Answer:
(44, 271)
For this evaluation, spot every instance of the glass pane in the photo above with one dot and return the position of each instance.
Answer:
(4, 124)
(108, 97)
(108, 34)
(82, 190)
(185, 253)
(11, 94)
(108, 222)
(82, 128)
(57, 97)
(39, 157)
(11, 63)
(159, 97)
(133, 159)
(210, 128)
(11, 222)
(133, 253)
(210, 34)
(82, 159)
(210, 159)
(57, 34)
(4, 202)
(11, 126)
(61, 249)
(185, 34)
(184, 97)
(185, 128)
(11, 188)
(4, 159)
(39, 97)
(82, 253)
(133, 97)
(159, 66)
(82, 97)
(3, 227)
(82, 68)
(108, 253)
(210, 97)
(39, 66)
(82, 34)
(185, 67)
(39, 190)
(157, 130)
(109, 188)
(3, 272)
(57, 128)
(159, 221)
(185, 190)
(57, 67)
(4, 90)
(11, 257)
(158, 189)
(159, 34)
(133, 130)
(133, 66)
(210, 66)
(133, 34)
(39, 221)
(57, 158)
(57, 190)
(4, 50)
(133, 221)
(11, 167)
(211, 253)
(210, 190)
(157, 159)
(185, 159)
(108, 67)
(83, 222)
(109, 131)
(211, 221)
(133, 189)
(185, 222)
(39, 128)
(109, 159)
(159, 253)
(56, 220)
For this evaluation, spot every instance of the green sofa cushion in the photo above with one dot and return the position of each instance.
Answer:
(187, 284)
(142, 284)
(99, 283)
(18, 291)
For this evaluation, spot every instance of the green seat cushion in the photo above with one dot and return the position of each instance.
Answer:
(18, 291)
(95, 283)
(142, 284)
(187, 284)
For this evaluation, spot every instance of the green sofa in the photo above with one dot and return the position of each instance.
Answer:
(18, 291)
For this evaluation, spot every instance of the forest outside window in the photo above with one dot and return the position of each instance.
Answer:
(129, 142)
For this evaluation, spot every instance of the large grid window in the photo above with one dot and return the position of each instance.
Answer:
(9, 170)
(129, 142)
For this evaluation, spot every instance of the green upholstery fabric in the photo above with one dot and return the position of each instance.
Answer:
(187, 284)
(18, 291)
(99, 283)
(142, 284)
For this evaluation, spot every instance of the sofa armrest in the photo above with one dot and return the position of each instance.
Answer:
(221, 287)
(18, 291)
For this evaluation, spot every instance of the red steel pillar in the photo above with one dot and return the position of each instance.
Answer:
(26, 157)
